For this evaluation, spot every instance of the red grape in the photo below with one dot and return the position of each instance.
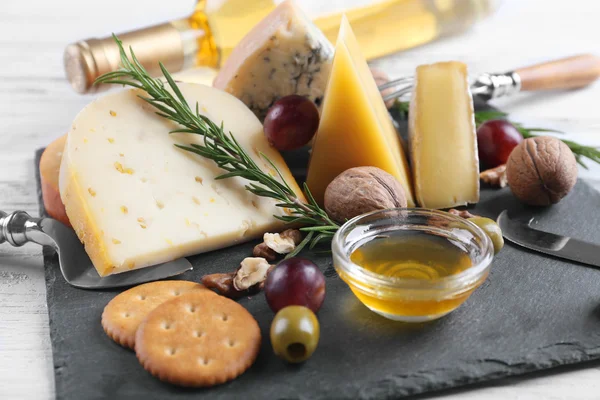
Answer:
(496, 139)
(295, 282)
(291, 122)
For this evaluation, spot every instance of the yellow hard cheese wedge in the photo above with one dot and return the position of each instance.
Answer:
(355, 129)
(136, 200)
(443, 142)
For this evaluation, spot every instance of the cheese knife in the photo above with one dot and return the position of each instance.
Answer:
(19, 228)
(523, 234)
(565, 73)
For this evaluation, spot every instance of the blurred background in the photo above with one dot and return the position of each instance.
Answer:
(34, 34)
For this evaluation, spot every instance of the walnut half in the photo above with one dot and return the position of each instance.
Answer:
(277, 243)
(252, 271)
(223, 284)
(264, 251)
(248, 279)
(495, 177)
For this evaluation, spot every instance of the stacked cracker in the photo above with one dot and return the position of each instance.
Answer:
(183, 333)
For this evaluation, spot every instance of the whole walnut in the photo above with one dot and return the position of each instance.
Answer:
(360, 190)
(541, 171)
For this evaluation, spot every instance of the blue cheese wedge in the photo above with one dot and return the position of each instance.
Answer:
(284, 54)
(136, 200)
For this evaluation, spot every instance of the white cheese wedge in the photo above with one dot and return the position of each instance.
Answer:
(136, 200)
(443, 141)
(283, 54)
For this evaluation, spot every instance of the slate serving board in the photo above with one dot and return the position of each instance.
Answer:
(532, 313)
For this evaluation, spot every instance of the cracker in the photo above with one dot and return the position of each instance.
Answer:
(199, 339)
(124, 313)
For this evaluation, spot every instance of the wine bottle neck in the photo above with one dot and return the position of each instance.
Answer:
(178, 45)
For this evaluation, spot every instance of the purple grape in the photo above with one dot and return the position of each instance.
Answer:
(295, 282)
(291, 122)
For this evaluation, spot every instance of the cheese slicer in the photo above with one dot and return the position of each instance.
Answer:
(565, 73)
(19, 228)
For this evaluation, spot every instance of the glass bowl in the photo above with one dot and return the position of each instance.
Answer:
(410, 299)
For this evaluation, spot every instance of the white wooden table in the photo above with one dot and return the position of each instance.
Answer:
(37, 105)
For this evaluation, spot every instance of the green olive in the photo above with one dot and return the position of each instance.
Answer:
(491, 228)
(295, 333)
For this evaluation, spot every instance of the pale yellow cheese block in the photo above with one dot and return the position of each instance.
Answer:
(443, 141)
(355, 129)
(136, 200)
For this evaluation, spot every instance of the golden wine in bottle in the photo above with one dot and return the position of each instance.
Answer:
(207, 37)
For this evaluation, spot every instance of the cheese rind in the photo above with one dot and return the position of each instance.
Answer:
(49, 170)
(355, 129)
(136, 200)
(284, 54)
(443, 140)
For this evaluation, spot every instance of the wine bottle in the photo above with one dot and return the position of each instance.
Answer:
(209, 34)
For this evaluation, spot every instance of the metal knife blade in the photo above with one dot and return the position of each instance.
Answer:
(549, 243)
(19, 228)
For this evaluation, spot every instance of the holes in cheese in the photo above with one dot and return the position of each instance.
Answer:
(355, 129)
(175, 186)
(443, 139)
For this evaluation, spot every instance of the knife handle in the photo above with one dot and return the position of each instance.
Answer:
(566, 73)
(18, 228)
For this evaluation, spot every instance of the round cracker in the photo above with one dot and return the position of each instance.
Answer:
(199, 339)
(124, 313)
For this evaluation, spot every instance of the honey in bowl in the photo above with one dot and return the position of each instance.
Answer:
(415, 256)
(412, 265)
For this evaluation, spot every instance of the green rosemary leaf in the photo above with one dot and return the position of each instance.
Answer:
(528, 130)
(483, 116)
(297, 220)
(182, 130)
(157, 104)
(300, 246)
(309, 195)
(323, 252)
(402, 108)
(287, 205)
(231, 174)
(122, 82)
(267, 159)
(111, 75)
(319, 228)
(163, 115)
(172, 84)
(317, 239)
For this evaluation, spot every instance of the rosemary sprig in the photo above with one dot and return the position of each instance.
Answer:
(402, 108)
(579, 151)
(222, 148)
